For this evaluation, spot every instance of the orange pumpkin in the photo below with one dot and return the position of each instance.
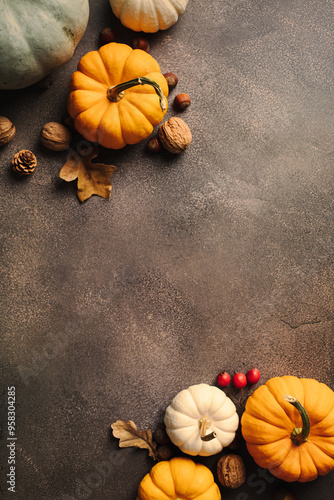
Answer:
(117, 95)
(178, 479)
(288, 425)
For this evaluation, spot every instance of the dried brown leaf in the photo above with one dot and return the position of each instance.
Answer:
(129, 435)
(93, 178)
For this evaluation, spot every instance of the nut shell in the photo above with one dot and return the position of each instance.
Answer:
(55, 136)
(172, 80)
(160, 436)
(107, 35)
(7, 130)
(154, 145)
(284, 494)
(175, 135)
(182, 102)
(231, 471)
(165, 452)
(141, 43)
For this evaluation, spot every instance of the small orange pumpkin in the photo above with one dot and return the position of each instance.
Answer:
(117, 95)
(179, 479)
(288, 425)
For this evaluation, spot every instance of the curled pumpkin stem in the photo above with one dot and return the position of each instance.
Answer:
(116, 92)
(209, 437)
(299, 435)
(204, 423)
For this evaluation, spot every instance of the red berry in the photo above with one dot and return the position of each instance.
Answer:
(223, 379)
(253, 376)
(239, 380)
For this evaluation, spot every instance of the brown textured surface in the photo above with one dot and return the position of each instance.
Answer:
(220, 258)
(231, 471)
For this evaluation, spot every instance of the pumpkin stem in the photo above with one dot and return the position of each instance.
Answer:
(116, 92)
(203, 424)
(299, 435)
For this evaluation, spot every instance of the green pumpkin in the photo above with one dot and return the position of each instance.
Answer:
(37, 37)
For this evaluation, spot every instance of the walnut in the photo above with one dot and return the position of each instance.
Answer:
(55, 136)
(7, 130)
(231, 471)
(175, 135)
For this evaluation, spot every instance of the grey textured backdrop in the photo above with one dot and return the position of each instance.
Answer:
(221, 258)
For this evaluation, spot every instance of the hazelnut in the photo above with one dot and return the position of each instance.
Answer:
(7, 131)
(172, 80)
(175, 135)
(69, 122)
(284, 494)
(160, 436)
(107, 35)
(165, 452)
(141, 43)
(231, 471)
(55, 136)
(154, 145)
(237, 441)
(182, 102)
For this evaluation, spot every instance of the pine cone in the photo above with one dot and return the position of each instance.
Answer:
(24, 162)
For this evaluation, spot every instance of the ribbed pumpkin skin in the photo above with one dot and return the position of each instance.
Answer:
(115, 124)
(178, 478)
(37, 37)
(268, 421)
(148, 15)
(188, 407)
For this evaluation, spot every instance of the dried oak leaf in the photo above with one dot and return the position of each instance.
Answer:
(93, 178)
(129, 435)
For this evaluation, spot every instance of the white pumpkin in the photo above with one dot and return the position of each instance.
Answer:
(148, 15)
(37, 37)
(201, 420)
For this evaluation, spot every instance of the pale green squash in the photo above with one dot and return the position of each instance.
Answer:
(37, 37)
